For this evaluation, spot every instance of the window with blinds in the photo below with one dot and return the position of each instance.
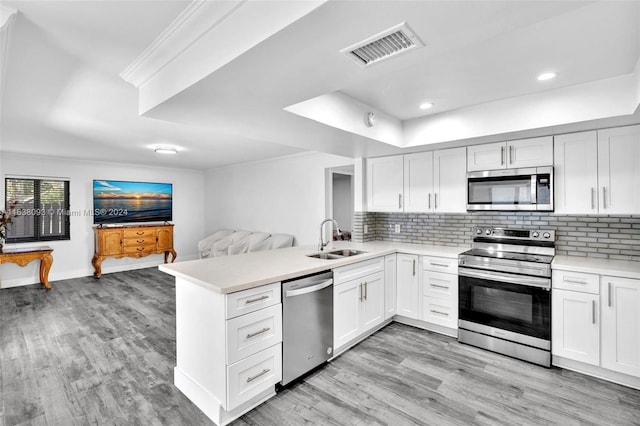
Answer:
(40, 209)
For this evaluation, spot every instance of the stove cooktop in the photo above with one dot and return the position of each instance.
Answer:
(522, 257)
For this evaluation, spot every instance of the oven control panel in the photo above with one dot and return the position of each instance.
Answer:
(520, 234)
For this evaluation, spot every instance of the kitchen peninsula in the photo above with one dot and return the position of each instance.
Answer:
(224, 299)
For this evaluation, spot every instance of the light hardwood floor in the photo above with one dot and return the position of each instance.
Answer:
(102, 352)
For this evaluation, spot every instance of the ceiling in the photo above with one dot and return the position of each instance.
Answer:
(63, 95)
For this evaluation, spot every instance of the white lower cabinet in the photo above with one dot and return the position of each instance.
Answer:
(620, 324)
(407, 289)
(596, 321)
(575, 326)
(358, 301)
(228, 347)
(389, 286)
(346, 312)
(254, 375)
(440, 292)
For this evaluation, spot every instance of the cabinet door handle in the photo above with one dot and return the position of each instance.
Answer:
(440, 286)
(439, 312)
(435, 200)
(609, 295)
(502, 155)
(414, 267)
(604, 197)
(262, 373)
(444, 265)
(365, 290)
(257, 333)
(360, 288)
(257, 299)
(593, 311)
(399, 201)
(569, 280)
(429, 201)
(593, 195)
(510, 154)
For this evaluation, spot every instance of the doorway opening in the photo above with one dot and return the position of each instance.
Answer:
(340, 199)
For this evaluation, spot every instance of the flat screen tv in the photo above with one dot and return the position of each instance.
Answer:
(117, 202)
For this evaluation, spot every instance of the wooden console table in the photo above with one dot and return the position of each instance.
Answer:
(24, 256)
(131, 241)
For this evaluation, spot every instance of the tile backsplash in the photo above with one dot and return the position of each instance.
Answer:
(612, 237)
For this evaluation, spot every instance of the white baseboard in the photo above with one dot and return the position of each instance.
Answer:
(33, 277)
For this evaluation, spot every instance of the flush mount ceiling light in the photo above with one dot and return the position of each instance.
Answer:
(370, 119)
(165, 150)
(547, 76)
(426, 105)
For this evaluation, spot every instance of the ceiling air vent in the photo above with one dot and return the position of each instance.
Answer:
(382, 46)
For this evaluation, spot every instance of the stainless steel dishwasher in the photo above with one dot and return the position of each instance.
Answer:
(307, 324)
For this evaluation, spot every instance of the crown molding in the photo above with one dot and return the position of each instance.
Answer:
(199, 17)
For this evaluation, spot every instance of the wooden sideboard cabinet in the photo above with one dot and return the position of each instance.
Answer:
(131, 241)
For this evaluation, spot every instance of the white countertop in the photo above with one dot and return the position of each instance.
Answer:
(591, 265)
(229, 274)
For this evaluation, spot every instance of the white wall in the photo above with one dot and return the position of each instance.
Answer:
(72, 258)
(284, 195)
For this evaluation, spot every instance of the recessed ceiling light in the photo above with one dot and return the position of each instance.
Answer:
(547, 76)
(426, 105)
(165, 150)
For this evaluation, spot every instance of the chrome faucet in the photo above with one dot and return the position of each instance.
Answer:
(322, 244)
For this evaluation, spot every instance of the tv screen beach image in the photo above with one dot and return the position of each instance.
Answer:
(122, 202)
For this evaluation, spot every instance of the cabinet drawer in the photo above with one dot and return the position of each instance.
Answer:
(440, 286)
(243, 302)
(139, 241)
(251, 333)
(140, 249)
(440, 311)
(440, 264)
(134, 233)
(576, 281)
(253, 375)
(357, 270)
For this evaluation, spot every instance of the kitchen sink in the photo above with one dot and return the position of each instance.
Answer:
(336, 254)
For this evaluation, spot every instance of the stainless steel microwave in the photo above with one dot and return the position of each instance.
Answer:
(511, 189)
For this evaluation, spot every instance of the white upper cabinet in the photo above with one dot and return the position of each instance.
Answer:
(449, 181)
(532, 152)
(619, 170)
(576, 173)
(418, 182)
(424, 182)
(489, 156)
(385, 184)
(598, 172)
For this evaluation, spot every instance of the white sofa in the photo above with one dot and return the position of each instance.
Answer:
(226, 242)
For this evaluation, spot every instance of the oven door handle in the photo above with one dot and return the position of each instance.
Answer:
(543, 283)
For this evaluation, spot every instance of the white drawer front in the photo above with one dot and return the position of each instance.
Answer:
(440, 264)
(357, 270)
(576, 281)
(251, 333)
(440, 286)
(439, 311)
(243, 302)
(253, 375)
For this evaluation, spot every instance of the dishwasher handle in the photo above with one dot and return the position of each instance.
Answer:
(309, 289)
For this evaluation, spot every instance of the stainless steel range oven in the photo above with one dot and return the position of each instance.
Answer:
(505, 293)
